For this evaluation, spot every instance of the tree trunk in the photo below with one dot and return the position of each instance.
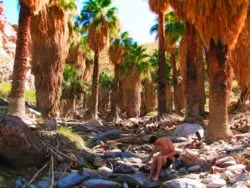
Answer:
(150, 95)
(19, 146)
(177, 105)
(49, 33)
(95, 88)
(48, 78)
(162, 67)
(132, 93)
(192, 88)
(115, 93)
(17, 98)
(201, 79)
(169, 98)
(219, 88)
(104, 99)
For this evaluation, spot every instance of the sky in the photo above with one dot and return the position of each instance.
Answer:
(134, 15)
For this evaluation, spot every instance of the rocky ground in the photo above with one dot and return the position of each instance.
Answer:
(114, 155)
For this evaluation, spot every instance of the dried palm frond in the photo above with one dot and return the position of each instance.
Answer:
(158, 6)
(98, 36)
(35, 5)
(240, 56)
(220, 20)
(116, 54)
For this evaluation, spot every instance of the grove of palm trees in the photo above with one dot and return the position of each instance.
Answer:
(105, 110)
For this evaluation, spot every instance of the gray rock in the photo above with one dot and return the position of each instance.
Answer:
(237, 168)
(73, 179)
(43, 184)
(183, 171)
(105, 171)
(176, 139)
(188, 130)
(98, 183)
(240, 184)
(183, 183)
(225, 162)
(118, 154)
(51, 124)
(99, 162)
(195, 168)
(234, 177)
(214, 183)
(109, 135)
(124, 169)
(131, 180)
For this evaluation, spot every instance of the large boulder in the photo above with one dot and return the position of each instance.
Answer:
(98, 183)
(188, 130)
(19, 146)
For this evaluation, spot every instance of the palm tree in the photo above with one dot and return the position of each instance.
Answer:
(219, 24)
(16, 98)
(50, 33)
(159, 7)
(136, 66)
(116, 54)
(99, 20)
(174, 30)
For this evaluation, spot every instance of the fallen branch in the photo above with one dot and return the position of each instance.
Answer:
(35, 176)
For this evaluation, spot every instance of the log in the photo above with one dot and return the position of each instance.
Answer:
(19, 146)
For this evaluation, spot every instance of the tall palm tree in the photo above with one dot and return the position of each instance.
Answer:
(174, 30)
(136, 66)
(50, 33)
(16, 98)
(116, 53)
(100, 21)
(219, 24)
(159, 7)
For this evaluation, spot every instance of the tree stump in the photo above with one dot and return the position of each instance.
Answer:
(19, 146)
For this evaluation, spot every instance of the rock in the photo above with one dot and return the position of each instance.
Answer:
(191, 158)
(183, 183)
(97, 183)
(176, 139)
(225, 162)
(237, 168)
(188, 130)
(51, 124)
(177, 164)
(109, 135)
(211, 177)
(214, 183)
(183, 171)
(131, 180)
(94, 123)
(43, 184)
(233, 178)
(195, 168)
(99, 162)
(118, 154)
(240, 184)
(124, 169)
(73, 179)
(105, 171)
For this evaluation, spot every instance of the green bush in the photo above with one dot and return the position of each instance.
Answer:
(5, 87)
(106, 80)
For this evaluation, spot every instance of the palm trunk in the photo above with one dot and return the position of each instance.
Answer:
(150, 95)
(132, 93)
(170, 98)
(175, 82)
(162, 67)
(115, 94)
(192, 88)
(201, 80)
(219, 87)
(17, 98)
(95, 88)
(48, 78)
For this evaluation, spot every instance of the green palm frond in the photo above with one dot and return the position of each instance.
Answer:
(174, 28)
(94, 12)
